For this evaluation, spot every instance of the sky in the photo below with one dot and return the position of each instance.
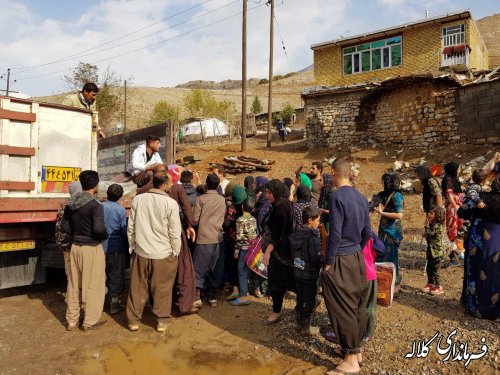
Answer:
(163, 43)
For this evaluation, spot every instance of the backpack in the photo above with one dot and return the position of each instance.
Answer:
(63, 240)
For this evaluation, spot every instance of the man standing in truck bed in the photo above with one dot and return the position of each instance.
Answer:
(84, 99)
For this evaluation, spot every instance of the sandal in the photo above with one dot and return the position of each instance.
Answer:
(239, 302)
(232, 296)
(258, 294)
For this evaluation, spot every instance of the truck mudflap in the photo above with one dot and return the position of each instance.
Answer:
(19, 268)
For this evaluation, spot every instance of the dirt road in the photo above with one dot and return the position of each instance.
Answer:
(233, 340)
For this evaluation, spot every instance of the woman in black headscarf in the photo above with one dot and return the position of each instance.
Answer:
(481, 288)
(250, 185)
(390, 229)
(277, 256)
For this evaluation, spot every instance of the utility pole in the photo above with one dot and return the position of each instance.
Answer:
(8, 83)
(244, 80)
(270, 98)
(125, 109)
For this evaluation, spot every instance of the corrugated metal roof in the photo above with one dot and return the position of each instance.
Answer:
(463, 14)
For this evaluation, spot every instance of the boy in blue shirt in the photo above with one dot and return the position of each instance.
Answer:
(115, 247)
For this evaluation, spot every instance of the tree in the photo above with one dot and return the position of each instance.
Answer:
(287, 113)
(256, 106)
(163, 111)
(202, 103)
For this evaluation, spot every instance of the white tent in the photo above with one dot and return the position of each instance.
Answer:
(211, 127)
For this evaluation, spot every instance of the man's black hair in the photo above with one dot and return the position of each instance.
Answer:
(318, 165)
(309, 213)
(151, 138)
(212, 181)
(90, 87)
(186, 177)
(115, 192)
(159, 179)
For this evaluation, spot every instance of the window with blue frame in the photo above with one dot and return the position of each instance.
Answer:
(380, 54)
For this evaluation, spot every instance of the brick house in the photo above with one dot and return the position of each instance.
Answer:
(446, 42)
(400, 87)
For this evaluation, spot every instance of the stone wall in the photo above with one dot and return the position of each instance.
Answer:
(478, 112)
(331, 119)
(413, 114)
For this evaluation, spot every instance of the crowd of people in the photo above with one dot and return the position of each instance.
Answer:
(188, 240)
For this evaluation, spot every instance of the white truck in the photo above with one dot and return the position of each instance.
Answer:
(43, 148)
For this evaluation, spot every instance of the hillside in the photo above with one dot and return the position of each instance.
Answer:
(141, 100)
(489, 27)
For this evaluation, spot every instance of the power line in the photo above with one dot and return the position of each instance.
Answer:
(83, 54)
(113, 40)
(145, 47)
(282, 42)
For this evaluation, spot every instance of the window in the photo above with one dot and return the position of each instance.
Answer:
(379, 54)
(453, 35)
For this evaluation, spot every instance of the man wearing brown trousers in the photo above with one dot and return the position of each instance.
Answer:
(154, 234)
(83, 221)
(344, 281)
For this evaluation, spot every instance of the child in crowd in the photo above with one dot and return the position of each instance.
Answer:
(115, 247)
(246, 230)
(434, 233)
(235, 196)
(187, 183)
(307, 261)
(472, 194)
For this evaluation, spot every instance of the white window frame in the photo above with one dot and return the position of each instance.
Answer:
(450, 38)
(360, 53)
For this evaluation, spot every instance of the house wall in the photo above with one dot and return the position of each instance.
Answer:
(421, 54)
(417, 115)
(478, 113)
(478, 53)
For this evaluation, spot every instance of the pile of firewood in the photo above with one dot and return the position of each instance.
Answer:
(243, 164)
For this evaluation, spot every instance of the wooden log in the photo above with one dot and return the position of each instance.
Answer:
(259, 167)
(255, 160)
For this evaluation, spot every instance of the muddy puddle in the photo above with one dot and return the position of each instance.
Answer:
(166, 359)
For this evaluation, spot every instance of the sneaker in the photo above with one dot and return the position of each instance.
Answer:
(161, 327)
(427, 288)
(197, 304)
(70, 326)
(452, 263)
(133, 327)
(116, 306)
(437, 290)
(212, 302)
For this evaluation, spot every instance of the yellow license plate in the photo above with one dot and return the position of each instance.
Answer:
(60, 174)
(17, 245)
